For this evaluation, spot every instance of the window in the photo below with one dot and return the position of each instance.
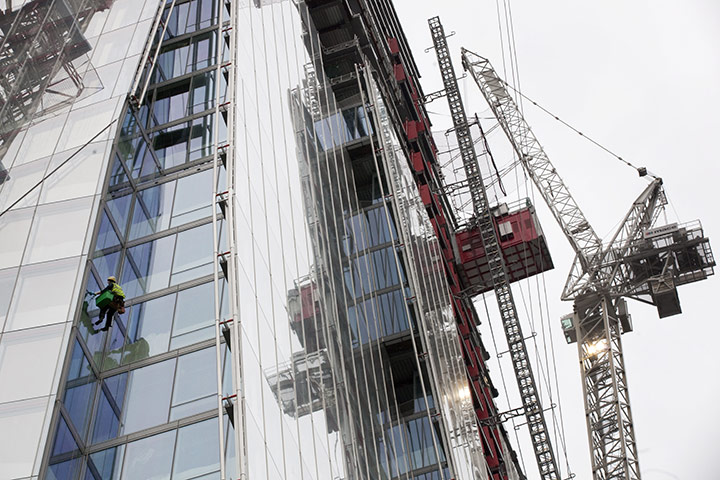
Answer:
(189, 452)
(41, 294)
(190, 16)
(17, 451)
(59, 230)
(183, 57)
(172, 204)
(195, 384)
(34, 350)
(153, 395)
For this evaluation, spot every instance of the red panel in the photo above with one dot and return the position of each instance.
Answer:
(411, 130)
(425, 194)
(417, 162)
(399, 73)
(394, 46)
(524, 249)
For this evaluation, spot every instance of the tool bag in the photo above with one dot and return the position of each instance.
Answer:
(104, 299)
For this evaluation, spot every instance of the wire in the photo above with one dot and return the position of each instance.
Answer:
(640, 170)
(57, 168)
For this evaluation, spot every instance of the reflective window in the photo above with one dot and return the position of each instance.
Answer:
(194, 315)
(196, 452)
(148, 328)
(14, 229)
(150, 458)
(78, 176)
(193, 258)
(59, 230)
(106, 236)
(190, 16)
(195, 384)
(183, 57)
(148, 397)
(172, 204)
(41, 294)
(7, 281)
(152, 210)
(17, 451)
(107, 462)
(168, 261)
(147, 266)
(193, 199)
(155, 394)
(34, 350)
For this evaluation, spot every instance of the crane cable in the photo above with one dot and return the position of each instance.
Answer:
(641, 170)
(57, 168)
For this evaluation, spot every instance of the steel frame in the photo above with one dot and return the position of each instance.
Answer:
(542, 446)
(609, 420)
(224, 199)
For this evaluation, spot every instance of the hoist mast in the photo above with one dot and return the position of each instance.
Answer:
(533, 410)
(639, 262)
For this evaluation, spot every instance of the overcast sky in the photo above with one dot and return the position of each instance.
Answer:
(642, 78)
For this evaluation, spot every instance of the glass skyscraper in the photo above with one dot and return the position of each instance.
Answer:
(260, 178)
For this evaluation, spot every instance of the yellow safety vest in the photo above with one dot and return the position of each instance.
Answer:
(117, 290)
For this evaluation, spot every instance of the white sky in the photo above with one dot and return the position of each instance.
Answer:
(642, 78)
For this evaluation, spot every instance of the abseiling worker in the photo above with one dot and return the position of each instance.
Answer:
(110, 308)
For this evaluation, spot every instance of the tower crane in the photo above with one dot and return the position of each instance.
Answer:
(642, 261)
(533, 410)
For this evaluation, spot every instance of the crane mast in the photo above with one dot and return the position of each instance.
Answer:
(533, 410)
(639, 262)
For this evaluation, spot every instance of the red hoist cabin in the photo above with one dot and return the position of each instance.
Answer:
(522, 242)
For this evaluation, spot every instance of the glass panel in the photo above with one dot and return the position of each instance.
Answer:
(150, 458)
(79, 364)
(149, 328)
(77, 178)
(65, 470)
(107, 421)
(22, 179)
(17, 451)
(64, 441)
(193, 199)
(193, 254)
(106, 236)
(7, 282)
(59, 230)
(148, 397)
(150, 269)
(84, 123)
(152, 210)
(119, 208)
(195, 384)
(197, 450)
(14, 230)
(110, 402)
(28, 360)
(108, 462)
(77, 401)
(106, 265)
(195, 309)
(42, 293)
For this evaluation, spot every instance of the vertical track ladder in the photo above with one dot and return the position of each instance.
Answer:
(534, 414)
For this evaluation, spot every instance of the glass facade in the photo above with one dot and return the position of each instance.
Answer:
(287, 311)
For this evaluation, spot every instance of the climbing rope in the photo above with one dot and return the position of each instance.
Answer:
(57, 168)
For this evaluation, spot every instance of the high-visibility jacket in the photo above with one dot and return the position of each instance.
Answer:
(117, 290)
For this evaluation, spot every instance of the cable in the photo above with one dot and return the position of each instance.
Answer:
(57, 168)
(641, 170)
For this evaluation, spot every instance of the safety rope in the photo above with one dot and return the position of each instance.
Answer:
(57, 168)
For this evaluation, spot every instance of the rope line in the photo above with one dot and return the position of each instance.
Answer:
(641, 170)
(57, 168)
